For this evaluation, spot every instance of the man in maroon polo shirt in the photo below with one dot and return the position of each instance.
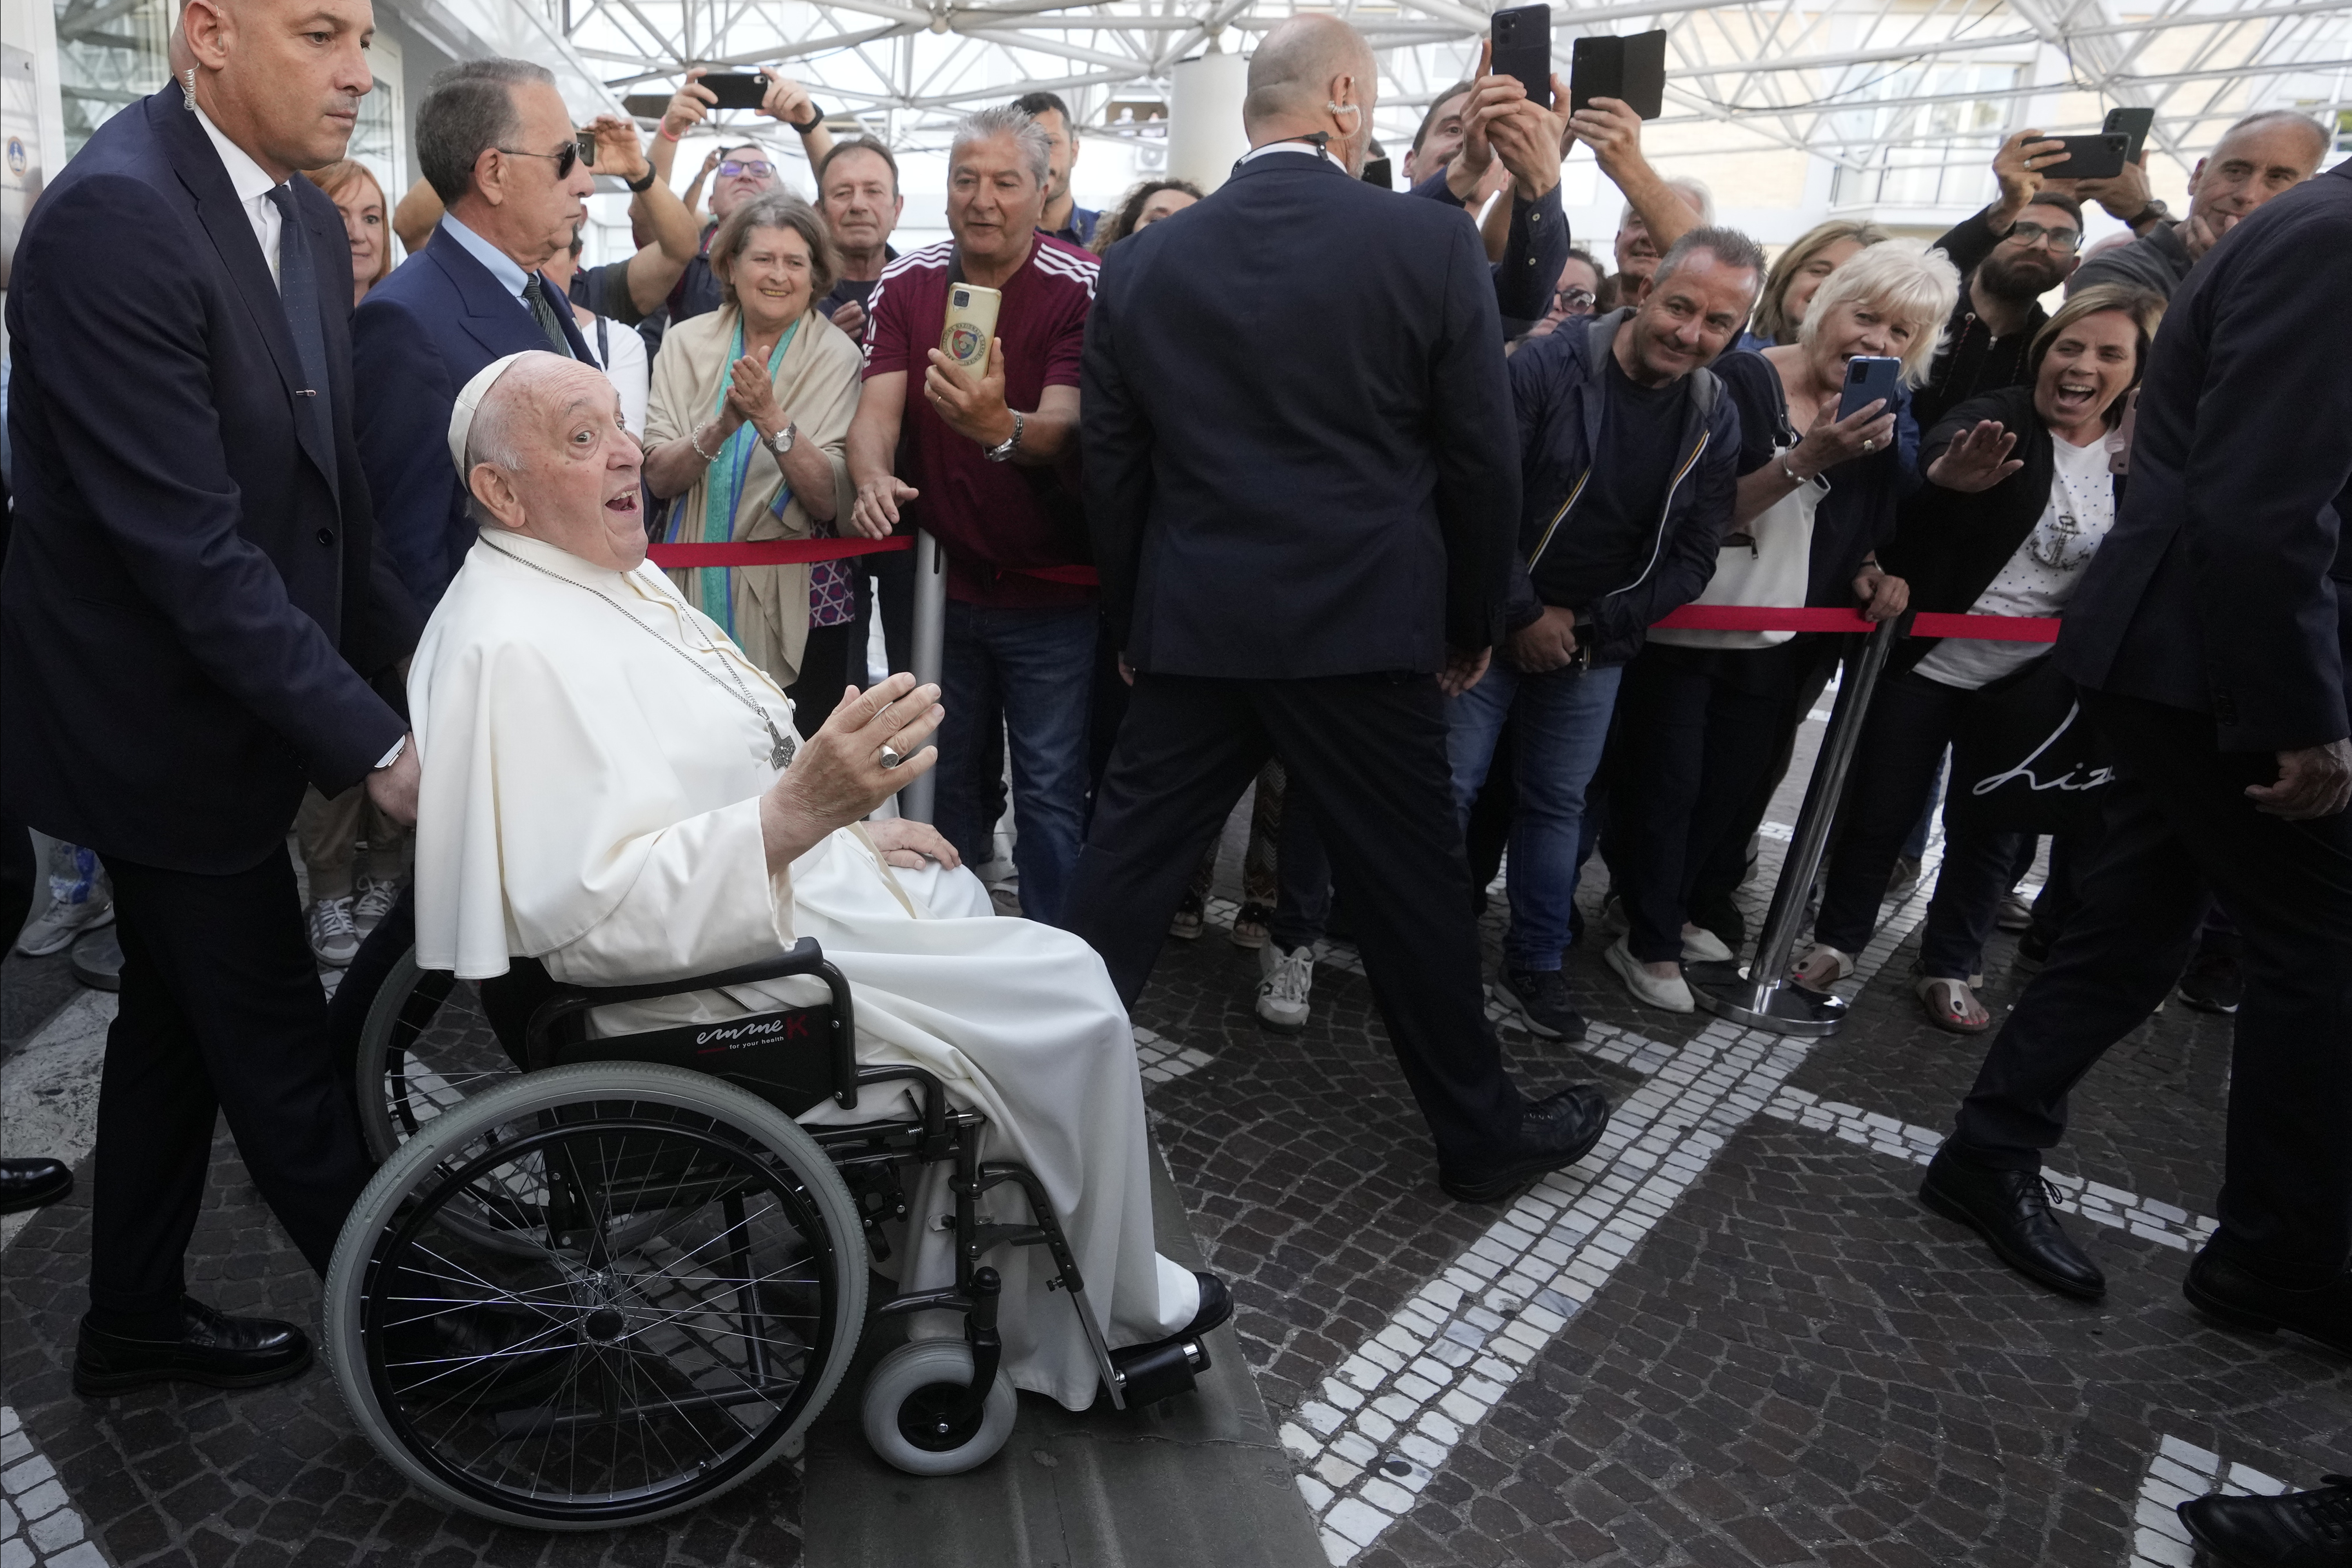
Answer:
(985, 455)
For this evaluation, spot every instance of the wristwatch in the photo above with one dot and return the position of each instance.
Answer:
(1003, 453)
(815, 118)
(2154, 212)
(640, 187)
(782, 441)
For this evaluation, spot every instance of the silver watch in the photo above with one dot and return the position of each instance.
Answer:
(782, 441)
(1012, 443)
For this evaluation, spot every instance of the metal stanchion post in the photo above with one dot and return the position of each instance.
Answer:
(916, 801)
(1764, 998)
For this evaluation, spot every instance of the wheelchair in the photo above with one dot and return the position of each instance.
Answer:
(597, 1281)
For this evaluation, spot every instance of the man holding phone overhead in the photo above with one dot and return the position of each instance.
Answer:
(2258, 158)
(1494, 118)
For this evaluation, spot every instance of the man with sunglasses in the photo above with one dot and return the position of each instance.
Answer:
(496, 142)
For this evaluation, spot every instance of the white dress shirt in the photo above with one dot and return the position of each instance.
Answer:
(1308, 148)
(253, 184)
(502, 267)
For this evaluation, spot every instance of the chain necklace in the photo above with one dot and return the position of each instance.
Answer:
(780, 753)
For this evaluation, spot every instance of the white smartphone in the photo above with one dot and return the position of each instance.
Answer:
(971, 324)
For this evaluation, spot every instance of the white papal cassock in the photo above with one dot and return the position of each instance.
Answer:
(591, 799)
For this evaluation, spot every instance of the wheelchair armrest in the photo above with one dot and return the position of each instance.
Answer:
(805, 957)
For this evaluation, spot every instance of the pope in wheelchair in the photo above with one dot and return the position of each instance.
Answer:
(751, 1042)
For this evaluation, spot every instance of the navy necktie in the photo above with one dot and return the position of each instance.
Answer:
(544, 314)
(298, 292)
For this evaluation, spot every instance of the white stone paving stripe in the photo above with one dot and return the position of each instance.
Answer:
(48, 1092)
(1382, 1424)
(2180, 1471)
(39, 1528)
(2111, 1206)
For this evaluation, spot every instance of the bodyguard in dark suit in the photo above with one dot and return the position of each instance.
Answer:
(2211, 637)
(1302, 483)
(195, 608)
(495, 139)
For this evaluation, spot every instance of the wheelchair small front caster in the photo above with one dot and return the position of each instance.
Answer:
(910, 1410)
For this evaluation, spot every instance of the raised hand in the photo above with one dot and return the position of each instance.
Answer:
(1832, 440)
(1977, 459)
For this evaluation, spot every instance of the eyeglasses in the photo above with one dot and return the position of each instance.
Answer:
(1574, 302)
(2060, 241)
(574, 154)
(758, 168)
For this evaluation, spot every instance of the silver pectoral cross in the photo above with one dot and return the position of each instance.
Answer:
(780, 755)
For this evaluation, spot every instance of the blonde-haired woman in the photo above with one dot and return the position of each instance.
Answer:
(366, 221)
(1706, 722)
(745, 429)
(1797, 274)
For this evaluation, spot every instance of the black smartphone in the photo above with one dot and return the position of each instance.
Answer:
(1868, 379)
(1379, 171)
(1522, 36)
(737, 90)
(1630, 68)
(586, 143)
(2132, 122)
(2099, 157)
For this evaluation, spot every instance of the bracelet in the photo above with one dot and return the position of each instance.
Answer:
(1789, 473)
(639, 188)
(663, 131)
(813, 122)
(695, 441)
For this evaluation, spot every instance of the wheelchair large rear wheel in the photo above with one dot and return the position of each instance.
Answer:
(425, 1047)
(660, 1328)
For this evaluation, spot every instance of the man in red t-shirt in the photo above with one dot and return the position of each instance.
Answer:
(985, 454)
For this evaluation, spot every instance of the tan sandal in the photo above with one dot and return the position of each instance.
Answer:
(1823, 968)
(1949, 1005)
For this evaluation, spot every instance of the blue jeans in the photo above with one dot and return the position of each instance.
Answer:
(1562, 718)
(1037, 667)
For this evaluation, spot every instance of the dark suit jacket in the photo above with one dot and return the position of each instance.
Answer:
(2226, 585)
(191, 604)
(1299, 456)
(416, 340)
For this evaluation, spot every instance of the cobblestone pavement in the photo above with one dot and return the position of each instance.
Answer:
(1731, 1336)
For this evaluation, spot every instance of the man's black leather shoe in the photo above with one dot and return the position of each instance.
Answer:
(29, 1184)
(1217, 1306)
(2225, 1291)
(2010, 1209)
(1556, 1132)
(212, 1348)
(2301, 1529)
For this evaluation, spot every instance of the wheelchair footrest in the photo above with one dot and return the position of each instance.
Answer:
(1149, 1373)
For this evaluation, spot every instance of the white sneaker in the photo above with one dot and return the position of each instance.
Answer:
(1701, 945)
(1288, 977)
(333, 939)
(1672, 994)
(63, 920)
(375, 901)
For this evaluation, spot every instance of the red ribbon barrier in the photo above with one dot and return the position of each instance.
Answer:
(769, 552)
(1927, 623)
(1690, 618)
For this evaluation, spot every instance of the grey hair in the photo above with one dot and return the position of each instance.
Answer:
(1728, 247)
(490, 438)
(774, 209)
(1694, 188)
(1897, 277)
(1004, 119)
(468, 108)
(2263, 117)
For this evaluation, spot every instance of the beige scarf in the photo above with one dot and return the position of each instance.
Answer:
(816, 386)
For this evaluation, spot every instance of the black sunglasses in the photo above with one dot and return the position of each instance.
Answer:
(579, 150)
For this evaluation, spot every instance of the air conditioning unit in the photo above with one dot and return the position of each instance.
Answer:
(1152, 158)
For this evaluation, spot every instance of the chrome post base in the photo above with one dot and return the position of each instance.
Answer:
(1779, 1007)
